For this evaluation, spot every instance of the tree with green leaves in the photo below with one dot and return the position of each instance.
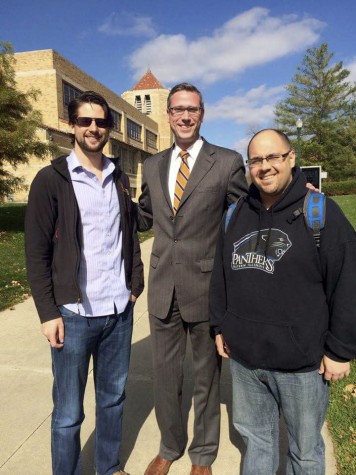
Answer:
(322, 97)
(19, 122)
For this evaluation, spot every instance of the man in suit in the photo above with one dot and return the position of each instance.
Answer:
(185, 192)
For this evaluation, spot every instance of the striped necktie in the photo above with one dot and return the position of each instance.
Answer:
(182, 178)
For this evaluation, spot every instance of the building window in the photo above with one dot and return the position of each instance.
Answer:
(138, 103)
(148, 107)
(116, 120)
(115, 148)
(133, 130)
(151, 139)
(132, 164)
(69, 93)
(123, 160)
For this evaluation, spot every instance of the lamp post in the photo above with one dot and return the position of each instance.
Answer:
(299, 125)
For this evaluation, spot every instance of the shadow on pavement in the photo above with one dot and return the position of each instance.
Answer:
(139, 404)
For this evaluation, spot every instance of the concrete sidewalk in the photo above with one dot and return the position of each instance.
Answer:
(26, 404)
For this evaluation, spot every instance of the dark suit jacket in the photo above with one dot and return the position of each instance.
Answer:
(184, 245)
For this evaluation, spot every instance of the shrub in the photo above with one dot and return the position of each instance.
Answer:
(336, 188)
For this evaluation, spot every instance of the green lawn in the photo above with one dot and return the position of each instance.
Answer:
(14, 288)
(145, 235)
(348, 205)
(342, 422)
(342, 409)
(13, 282)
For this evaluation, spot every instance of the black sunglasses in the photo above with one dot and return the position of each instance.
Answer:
(86, 122)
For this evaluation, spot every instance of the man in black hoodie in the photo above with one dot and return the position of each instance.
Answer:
(283, 310)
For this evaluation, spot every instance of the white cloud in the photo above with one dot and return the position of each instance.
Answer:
(254, 108)
(241, 145)
(128, 24)
(251, 111)
(352, 68)
(250, 39)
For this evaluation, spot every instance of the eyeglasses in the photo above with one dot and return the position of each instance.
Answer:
(273, 159)
(179, 111)
(87, 121)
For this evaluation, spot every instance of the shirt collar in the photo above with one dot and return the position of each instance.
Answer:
(193, 150)
(74, 164)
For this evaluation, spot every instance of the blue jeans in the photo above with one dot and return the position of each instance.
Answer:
(108, 340)
(258, 398)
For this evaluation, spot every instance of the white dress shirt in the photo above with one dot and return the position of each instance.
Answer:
(193, 151)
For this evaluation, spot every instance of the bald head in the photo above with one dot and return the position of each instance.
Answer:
(271, 160)
(270, 133)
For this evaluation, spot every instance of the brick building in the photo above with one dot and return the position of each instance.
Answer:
(138, 132)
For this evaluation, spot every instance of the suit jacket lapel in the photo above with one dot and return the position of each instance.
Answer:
(163, 168)
(205, 160)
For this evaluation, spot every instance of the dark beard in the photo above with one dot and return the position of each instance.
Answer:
(99, 147)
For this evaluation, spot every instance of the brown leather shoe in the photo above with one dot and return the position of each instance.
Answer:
(201, 470)
(158, 466)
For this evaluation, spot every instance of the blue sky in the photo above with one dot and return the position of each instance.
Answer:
(240, 54)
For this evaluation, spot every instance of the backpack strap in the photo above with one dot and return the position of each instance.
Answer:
(314, 213)
(229, 212)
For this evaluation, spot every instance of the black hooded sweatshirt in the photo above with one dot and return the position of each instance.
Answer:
(280, 302)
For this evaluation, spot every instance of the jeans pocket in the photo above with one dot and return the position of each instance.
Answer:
(128, 312)
(65, 312)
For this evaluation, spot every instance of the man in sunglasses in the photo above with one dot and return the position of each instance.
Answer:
(85, 271)
(283, 310)
(185, 192)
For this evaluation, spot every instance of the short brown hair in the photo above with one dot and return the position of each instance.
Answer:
(85, 98)
(184, 86)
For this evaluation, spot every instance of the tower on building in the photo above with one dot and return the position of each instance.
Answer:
(149, 96)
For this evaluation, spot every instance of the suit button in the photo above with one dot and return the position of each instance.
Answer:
(171, 218)
(176, 240)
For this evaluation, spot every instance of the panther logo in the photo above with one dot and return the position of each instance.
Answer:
(247, 256)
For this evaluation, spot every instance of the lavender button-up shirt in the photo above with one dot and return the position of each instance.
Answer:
(101, 273)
